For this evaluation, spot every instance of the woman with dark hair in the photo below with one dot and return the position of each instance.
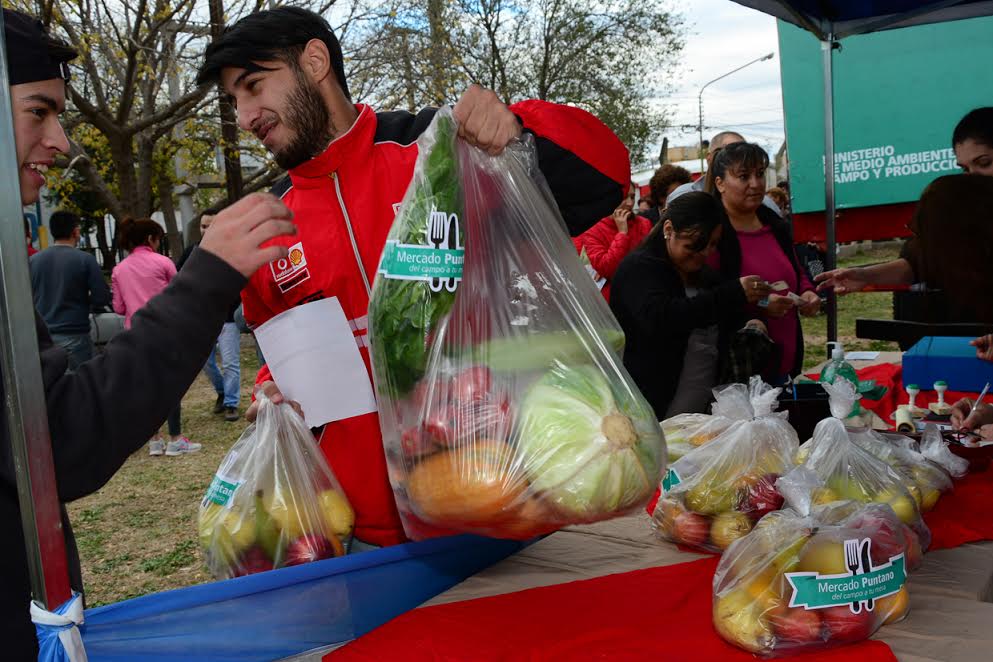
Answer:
(757, 241)
(676, 314)
(135, 280)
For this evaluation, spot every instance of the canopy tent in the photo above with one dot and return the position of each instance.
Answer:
(831, 20)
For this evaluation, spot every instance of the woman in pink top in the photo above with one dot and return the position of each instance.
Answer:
(139, 277)
(757, 241)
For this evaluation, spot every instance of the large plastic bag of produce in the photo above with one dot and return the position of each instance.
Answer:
(505, 407)
(813, 577)
(925, 480)
(713, 495)
(734, 402)
(274, 501)
(850, 472)
(935, 448)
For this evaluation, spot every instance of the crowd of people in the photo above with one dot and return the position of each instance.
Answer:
(703, 277)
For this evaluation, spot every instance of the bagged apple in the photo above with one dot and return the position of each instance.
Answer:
(714, 494)
(505, 407)
(274, 501)
(733, 402)
(806, 580)
(925, 480)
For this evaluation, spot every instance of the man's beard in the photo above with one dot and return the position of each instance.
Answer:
(308, 117)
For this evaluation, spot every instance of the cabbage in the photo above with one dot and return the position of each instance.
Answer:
(591, 448)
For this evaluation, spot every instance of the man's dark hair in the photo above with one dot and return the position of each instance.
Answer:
(275, 34)
(665, 177)
(62, 223)
(977, 125)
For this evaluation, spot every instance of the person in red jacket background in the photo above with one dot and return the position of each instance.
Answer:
(613, 238)
(349, 168)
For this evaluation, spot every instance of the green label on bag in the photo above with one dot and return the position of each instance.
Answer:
(812, 590)
(410, 262)
(221, 490)
(670, 480)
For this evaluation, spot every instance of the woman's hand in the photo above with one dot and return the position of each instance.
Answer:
(755, 288)
(986, 433)
(271, 391)
(962, 419)
(842, 281)
(984, 347)
(778, 305)
(811, 303)
(621, 217)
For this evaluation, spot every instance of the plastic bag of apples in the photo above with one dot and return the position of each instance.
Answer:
(803, 580)
(714, 495)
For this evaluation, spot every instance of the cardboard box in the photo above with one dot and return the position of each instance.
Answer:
(951, 359)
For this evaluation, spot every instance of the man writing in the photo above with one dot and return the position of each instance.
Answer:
(108, 408)
(67, 285)
(349, 168)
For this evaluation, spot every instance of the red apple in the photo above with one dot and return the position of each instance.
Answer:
(414, 443)
(307, 548)
(912, 548)
(761, 497)
(691, 528)
(439, 426)
(841, 625)
(471, 384)
(254, 560)
(796, 625)
(885, 534)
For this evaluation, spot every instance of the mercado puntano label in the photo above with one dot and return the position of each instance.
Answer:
(862, 585)
(442, 258)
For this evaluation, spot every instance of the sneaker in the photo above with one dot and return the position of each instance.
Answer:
(156, 447)
(181, 447)
(231, 414)
(219, 404)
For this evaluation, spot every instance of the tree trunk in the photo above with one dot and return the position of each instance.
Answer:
(146, 176)
(163, 187)
(436, 51)
(122, 153)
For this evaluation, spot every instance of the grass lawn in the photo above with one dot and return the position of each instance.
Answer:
(138, 534)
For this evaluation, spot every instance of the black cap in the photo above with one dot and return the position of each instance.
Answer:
(32, 54)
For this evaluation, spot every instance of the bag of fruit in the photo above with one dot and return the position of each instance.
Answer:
(850, 472)
(713, 495)
(935, 448)
(808, 579)
(273, 501)
(734, 402)
(925, 480)
(505, 407)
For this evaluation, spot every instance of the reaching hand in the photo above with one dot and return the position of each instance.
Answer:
(811, 303)
(237, 233)
(778, 305)
(842, 281)
(984, 347)
(755, 288)
(485, 121)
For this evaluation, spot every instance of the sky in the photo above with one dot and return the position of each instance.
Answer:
(720, 36)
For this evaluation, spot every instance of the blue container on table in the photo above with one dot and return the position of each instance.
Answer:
(951, 359)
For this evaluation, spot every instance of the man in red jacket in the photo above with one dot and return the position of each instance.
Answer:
(349, 168)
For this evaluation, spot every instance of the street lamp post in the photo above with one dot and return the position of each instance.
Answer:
(768, 56)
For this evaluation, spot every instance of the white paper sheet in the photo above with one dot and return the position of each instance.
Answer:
(861, 356)
(314, 359)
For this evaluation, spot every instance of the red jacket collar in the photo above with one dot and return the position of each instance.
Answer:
(347, 146)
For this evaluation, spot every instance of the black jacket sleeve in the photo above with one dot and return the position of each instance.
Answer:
(113, 404)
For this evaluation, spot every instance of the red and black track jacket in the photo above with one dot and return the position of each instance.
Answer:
(344, 202)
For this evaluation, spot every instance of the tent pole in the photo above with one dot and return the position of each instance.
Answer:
(827, 50)
(26, 416)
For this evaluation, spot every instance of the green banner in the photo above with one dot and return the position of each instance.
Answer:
(222, 490)
(670, 480)
(898, 95)
(413, 262)
(815, 591)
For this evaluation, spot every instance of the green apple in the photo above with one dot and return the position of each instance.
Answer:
(824, 556)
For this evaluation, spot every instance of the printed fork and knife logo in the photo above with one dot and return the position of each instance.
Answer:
(443, 233)
(858, 562)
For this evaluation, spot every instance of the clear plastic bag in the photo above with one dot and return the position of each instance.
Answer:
(504, 405)
(734, 402)
(935, 448)
(925, 480)
(274, 501)
(713, 495)
(807, 580)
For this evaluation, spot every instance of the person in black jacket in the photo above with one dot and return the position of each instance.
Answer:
(676, 314)
(108, 408)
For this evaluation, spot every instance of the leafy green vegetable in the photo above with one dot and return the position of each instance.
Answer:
(403, 313)
(592, 446)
